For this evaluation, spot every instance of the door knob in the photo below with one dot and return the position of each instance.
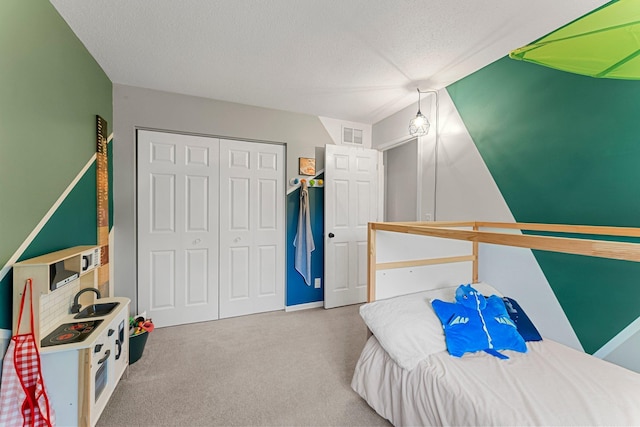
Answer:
(331, 235)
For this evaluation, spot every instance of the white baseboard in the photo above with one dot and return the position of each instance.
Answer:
(304, 306)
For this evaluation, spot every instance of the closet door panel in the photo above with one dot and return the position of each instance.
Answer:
(251, 218)
(178, 178)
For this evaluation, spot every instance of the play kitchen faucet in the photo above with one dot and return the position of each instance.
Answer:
(75, 308)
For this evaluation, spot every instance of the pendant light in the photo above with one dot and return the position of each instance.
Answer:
(419, 125)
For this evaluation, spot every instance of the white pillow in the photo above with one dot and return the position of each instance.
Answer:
(407, 327)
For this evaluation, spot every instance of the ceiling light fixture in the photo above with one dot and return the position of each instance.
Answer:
(419, 125)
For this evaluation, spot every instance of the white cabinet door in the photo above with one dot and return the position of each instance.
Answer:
(177, 227)
(60, 374)
(351, 202)
(252, 243)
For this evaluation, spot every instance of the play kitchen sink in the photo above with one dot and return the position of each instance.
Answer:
(96, 310)
(93, 310)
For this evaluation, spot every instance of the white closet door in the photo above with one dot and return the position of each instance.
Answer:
(252, 242)
(177, 227)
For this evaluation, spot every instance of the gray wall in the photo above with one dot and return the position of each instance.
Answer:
(144, 108)
(627, 353)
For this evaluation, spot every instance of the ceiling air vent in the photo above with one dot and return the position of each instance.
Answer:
(351, 136)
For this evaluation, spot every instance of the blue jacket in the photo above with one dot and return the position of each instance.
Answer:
(475, 323)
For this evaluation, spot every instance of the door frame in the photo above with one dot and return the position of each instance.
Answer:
(383, 148)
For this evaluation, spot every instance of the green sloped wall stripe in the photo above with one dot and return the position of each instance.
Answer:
(599, 296)
(51, 89)
(73, 223)
(563, 148)
(6, 294)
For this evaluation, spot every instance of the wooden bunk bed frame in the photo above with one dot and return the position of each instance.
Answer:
(450, 230)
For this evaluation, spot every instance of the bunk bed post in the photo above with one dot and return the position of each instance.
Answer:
(475, 256)
(371, 263)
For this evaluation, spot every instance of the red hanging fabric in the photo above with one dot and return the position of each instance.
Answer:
(23, 397)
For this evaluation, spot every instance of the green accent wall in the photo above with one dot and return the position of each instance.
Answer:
(564, 148)
(76, 213)
(51, 89)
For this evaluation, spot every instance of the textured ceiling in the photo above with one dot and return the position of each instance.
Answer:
(355, 60)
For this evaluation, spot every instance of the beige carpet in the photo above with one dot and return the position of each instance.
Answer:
(270, 369)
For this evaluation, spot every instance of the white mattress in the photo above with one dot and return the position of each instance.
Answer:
(550, 385)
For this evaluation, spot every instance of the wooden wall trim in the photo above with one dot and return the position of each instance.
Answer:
(564, 228)
(474, 272)
(423, 262)
(595, 248)
(371, 263)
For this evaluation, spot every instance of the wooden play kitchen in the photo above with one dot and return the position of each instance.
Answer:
(83, 339)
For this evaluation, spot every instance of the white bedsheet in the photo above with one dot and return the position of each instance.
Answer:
(551, 384)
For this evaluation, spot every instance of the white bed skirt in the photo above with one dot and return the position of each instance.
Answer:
(549, 385)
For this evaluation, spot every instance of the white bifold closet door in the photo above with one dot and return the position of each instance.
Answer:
(252, 242)
(210, 227)
(177, 227)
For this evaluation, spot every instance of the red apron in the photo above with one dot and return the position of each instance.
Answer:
(23, 398)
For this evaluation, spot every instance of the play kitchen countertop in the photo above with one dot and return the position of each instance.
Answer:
(81, 376)
(123, 304)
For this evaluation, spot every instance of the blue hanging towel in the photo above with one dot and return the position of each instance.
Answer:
(303, 241)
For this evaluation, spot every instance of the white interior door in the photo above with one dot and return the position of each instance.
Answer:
(177, 227)
(252, 231)
(351, 202)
